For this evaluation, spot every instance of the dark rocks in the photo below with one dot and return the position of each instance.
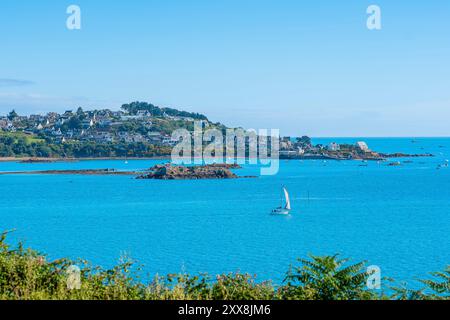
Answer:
(369, 156)
(404, 155)
(178, 172)
(95, 172)
(38, 160)
(225, 165)
(47, 160)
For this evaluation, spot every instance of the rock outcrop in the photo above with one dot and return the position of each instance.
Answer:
(404, 155)
(178, 172)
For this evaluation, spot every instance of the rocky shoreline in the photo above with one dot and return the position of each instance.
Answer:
(404, 155)
(159, 172)
(97, 172)
(51, 160)
(373, 156)
(367, 156)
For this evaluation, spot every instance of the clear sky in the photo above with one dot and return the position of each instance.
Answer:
(305, 67)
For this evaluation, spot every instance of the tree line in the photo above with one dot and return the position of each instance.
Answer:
(20, 147)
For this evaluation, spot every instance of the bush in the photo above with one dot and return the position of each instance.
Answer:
(27, 275)
(327, 278)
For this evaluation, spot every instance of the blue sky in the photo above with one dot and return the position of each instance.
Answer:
(306, 67)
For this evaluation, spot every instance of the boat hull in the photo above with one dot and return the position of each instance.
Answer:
(280, 212)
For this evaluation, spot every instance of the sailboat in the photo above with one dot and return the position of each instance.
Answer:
(283, 210)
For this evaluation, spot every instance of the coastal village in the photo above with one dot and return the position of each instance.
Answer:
(102, 126)
(135, 123)
(139, 129)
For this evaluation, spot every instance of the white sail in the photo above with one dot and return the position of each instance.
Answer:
(288, 201)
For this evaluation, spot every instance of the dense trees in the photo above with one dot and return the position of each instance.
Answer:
(18, 146)
(12, 115)
(74, 123)
(304, 141)
(155, 111)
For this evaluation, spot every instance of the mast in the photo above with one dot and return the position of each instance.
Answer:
(281, 198)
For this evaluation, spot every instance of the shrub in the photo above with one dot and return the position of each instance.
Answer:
(27, 275)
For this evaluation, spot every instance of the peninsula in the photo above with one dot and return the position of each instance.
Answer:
(139, 130)
(303, 149)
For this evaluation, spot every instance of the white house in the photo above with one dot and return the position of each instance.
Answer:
(362, 146)
(138, 138)
(334, 146)
(168, 141)
(155, 137)
(88, 123)
(103, 137)
(143, 114)
(56, 132)
(4, 124)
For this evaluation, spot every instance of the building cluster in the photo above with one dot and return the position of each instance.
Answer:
(101, 126)
(106, 126)
(301, 147)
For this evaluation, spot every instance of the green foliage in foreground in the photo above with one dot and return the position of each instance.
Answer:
(327, 278)
(25, 274)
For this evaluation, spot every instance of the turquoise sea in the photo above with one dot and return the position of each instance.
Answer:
(395, 217)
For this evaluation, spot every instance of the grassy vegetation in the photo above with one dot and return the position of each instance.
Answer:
(26, 274)
(18, 145)
(17, 137)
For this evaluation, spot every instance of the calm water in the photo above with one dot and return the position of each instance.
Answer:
(395, 217)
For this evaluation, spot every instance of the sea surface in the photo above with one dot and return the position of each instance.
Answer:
(395, 217)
